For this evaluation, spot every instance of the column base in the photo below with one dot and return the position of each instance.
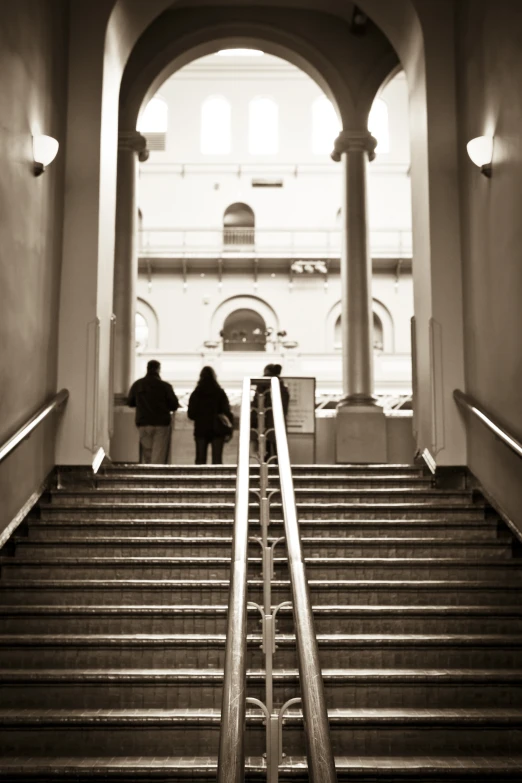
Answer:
(360, 432)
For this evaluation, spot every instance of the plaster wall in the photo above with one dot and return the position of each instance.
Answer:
(310, 196)
(490, 102)
(33, 52)
(185, 317)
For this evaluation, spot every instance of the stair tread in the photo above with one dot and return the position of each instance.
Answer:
(123, 560)
(97, 767)
(477, 640)
(98, 764)
(355, 541)
(167, 675)
(480, 715)
(194, 609)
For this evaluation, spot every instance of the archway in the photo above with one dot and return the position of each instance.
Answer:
(244, 330)
(239, 225)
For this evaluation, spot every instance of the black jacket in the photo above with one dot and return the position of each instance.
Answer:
(154, 401)
(269, 417)
(204, 405)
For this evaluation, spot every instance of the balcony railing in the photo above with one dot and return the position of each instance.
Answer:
(196, 242)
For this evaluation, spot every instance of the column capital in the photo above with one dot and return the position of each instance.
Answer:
(133, 141)
(354, 141)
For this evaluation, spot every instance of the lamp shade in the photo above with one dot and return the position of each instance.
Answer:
(45, 149)
(480, 150)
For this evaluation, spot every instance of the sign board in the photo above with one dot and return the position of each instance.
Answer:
(301, 410)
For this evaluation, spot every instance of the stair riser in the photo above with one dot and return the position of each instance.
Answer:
(463, 530)
(202, 740)
(187, 595)
(370, 571)
(206, 656)
(166, 695)
(128, 497)
(212, 625)
(200, 549)
(300, 482)
(188, 512)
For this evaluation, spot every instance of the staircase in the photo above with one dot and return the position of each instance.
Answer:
(113, 601)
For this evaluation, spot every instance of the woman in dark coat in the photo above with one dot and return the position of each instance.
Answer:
(206, 403)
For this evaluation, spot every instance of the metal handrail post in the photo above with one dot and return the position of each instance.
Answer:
(321, 765)
(231, 759)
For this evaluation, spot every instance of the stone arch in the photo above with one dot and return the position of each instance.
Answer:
(379, 311)
(146, 310)
(241, 302)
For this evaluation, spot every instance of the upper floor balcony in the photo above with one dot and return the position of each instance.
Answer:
(266, 243)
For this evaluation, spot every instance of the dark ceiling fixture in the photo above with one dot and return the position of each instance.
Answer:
(359, 21)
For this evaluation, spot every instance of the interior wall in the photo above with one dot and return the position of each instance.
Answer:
(33, 51)
(490, 102)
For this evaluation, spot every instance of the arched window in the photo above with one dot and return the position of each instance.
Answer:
(325, 126)
(141, 333)
(244, 330)
(378, 125)
(239, 225)
(378, 334)
(263, 128)
(153, 123)
(216, 126)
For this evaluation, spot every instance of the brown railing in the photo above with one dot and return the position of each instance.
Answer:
(468, 403)
(25, 431)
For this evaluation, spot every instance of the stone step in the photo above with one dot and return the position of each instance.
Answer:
(385, 769)
(357, 731)
(376, 469)
(150, 619)
(118, 528)
(335, 592)
(129, 481)
(392, 510)
(45, 651)
(216, 546)
(15, 568)
(218, 495)
(192, 688)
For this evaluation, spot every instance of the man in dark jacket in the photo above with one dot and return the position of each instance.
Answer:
(154, 401)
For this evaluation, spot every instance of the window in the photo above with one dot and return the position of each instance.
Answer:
(216, 126)
(325, 126)
(263, 131)
(141, 333)
(378, 125)
(153, 124)
(378, 334)
(244, 330)
(239, 225)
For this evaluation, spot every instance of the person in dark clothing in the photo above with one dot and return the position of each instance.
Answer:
(206, 403)
(154, 401)
(271, 371)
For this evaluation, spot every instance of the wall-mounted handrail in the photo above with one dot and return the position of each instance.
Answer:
(321, 765)
(26, 429)
(231, 760)
(467, 402)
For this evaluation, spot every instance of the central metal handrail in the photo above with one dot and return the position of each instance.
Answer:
(321, 765)
(231, 759)
(25, 431)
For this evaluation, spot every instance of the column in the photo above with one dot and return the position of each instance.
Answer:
(132, 147)
(361, 425)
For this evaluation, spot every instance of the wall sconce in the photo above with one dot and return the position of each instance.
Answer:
(45, 149)
(480, 151)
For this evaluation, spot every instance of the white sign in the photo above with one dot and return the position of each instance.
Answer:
(301, 410)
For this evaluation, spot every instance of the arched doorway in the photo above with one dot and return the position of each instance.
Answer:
(239, 225)
(244, 330)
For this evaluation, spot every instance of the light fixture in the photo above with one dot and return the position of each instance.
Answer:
(239, 53)
(480, 151)
(45, 149)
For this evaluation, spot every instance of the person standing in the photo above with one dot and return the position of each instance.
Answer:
(208, 404)
(154, 401)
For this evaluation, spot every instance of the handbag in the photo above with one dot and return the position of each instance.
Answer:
(222, 426)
